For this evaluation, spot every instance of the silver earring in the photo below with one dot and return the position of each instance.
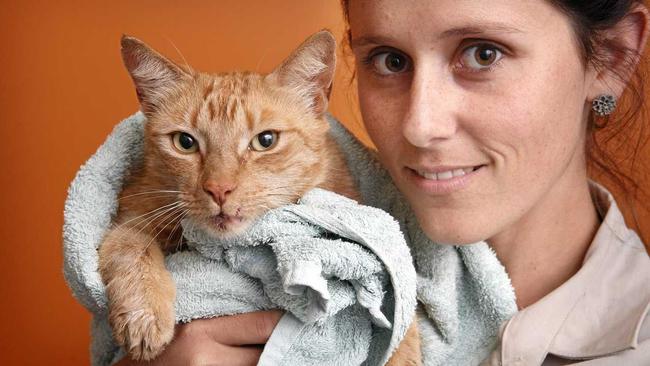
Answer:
(604, 105)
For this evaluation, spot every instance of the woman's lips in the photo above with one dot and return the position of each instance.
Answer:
(445, 174)
(442, 180)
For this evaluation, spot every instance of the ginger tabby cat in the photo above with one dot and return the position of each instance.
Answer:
(220, 150)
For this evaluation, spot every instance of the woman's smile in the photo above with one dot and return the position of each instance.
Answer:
(441, 180)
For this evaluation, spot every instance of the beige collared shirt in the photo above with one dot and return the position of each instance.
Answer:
(599, 316)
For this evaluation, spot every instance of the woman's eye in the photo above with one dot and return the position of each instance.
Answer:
(264, 141)
(388, 63)
(481, 57)
(185, 143)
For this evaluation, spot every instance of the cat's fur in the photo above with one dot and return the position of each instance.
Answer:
(224, 184)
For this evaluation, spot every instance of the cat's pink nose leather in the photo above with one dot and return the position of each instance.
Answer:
(218, 190)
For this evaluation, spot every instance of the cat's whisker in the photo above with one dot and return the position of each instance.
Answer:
(165, 209)
(153, 237)
(189, 68)
(259, 62)
(151, 192)
(176, 227)
(149, 213)
(144, 249)
(264, 201)
(165, 217)
(158, 216)
(154, 197)
(293, 193)
(184, 213)
(280, 195)
(293, 186)
(276, 193)
(180, 241)
(281, 190)
(178, 223)
(255, 204)
(263, 209)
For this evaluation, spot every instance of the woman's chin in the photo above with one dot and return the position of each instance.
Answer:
(454, 232)
(453, 238)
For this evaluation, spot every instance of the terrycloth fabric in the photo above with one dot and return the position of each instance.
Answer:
(341, 270)
(463, 292)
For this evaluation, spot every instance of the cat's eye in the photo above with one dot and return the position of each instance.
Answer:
(480, 57)
(264, 141)
(185, 143)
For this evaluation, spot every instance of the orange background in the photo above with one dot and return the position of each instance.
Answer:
(63, 88)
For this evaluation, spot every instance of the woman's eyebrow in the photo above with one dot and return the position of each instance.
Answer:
(474, 29)
(479, 28)
(368, 40)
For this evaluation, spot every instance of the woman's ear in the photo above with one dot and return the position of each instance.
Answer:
(621, 51)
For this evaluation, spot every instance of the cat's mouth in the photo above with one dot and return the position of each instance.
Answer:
(223, 222)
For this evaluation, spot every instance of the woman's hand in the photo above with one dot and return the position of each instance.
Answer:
(235, 340)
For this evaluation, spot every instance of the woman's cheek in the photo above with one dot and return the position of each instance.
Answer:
(379, 116)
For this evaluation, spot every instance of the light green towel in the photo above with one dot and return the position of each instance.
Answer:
(332, 285)
(341, 270)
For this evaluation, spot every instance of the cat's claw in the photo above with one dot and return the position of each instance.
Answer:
(143, 333)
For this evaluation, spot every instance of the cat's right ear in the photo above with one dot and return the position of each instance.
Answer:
(309, 70)
(154, 75)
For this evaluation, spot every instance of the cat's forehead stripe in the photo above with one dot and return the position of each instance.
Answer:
(208, 90)
(232, 106)
(250, 119)
(225, 96)
(211, 110)
(236, 83)
(194, 119)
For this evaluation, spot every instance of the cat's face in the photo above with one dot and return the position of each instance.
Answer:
(236, 144)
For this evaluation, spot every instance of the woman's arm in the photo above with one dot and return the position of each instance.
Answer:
(236, 340)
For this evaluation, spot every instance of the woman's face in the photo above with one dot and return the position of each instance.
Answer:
(478, 109)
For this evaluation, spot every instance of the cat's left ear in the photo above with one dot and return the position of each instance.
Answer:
(309, 70)
(154, 76)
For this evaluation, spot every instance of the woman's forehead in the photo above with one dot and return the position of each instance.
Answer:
(444, 18)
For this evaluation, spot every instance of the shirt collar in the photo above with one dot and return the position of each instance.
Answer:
(599, 310)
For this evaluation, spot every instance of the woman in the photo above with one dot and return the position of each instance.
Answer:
(481, 114)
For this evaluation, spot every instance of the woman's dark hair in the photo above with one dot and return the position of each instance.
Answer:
(614, 142)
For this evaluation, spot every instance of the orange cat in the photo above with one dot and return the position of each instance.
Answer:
(220, 150)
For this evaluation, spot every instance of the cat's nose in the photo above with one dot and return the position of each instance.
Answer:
(218, 190)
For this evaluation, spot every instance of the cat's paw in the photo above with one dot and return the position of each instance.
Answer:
(143, 333)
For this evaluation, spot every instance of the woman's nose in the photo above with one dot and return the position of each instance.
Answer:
(430, 116)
